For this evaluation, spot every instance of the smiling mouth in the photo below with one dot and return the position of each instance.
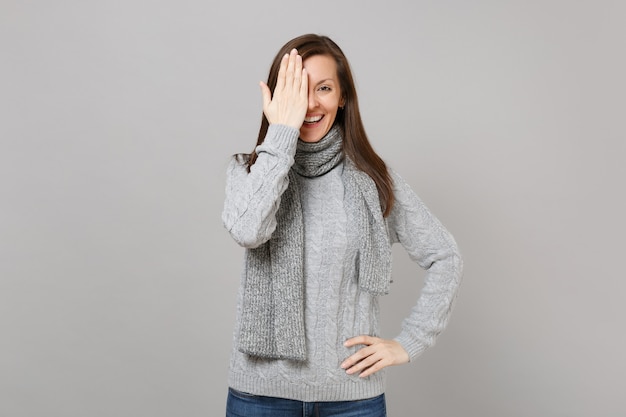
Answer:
(313, 119)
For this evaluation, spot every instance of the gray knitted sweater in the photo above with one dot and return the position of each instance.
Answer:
(336, 309)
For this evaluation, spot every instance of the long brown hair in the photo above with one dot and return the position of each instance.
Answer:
(356, 145)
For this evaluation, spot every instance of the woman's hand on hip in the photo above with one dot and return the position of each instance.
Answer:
(377, 354)
(289, 103)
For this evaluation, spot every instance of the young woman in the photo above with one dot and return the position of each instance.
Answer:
(317, 211)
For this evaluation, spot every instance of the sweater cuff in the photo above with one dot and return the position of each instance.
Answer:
(280, 139)
(412, 346)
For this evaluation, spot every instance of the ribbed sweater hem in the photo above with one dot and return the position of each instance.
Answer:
(283, 388)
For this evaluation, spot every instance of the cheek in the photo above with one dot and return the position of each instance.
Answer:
(333, 106)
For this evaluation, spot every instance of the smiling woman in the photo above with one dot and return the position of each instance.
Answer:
(317, 211)
(324, 97)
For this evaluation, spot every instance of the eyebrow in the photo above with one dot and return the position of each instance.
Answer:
(325, 80)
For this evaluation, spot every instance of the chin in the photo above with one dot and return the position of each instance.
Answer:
(312, 135)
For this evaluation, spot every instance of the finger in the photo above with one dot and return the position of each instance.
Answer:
(297, 76)
(360, 340)
(266, 94)
(360, 366)
(374, 368)
(304, 85)
(280, 81)
(357, 357)
(291, 64)
(363, 364)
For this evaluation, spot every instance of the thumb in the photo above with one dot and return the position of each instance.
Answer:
(266, 94)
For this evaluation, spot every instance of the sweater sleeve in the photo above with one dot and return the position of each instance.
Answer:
(252, 198)
(434, 249)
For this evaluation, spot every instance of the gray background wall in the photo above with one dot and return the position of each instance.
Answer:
(117, 280)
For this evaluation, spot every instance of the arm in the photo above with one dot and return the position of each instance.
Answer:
(430, 245)
(433, 248)
(253, 198)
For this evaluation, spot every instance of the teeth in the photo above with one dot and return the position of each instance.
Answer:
(313, 119)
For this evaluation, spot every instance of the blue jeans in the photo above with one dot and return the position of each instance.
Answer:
(241, 404)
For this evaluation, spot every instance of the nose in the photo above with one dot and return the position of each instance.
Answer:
(312, 100)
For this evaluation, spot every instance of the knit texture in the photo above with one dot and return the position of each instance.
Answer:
(272, 323)
(336, 308)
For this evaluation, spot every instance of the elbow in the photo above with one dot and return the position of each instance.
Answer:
(247, 240)
(450, 255)
(245, 236)
(451, 258)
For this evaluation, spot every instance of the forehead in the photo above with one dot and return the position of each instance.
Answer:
(321, 67)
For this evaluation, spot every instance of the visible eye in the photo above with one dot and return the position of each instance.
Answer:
(324, 88)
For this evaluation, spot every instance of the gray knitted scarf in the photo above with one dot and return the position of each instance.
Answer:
(272, 321)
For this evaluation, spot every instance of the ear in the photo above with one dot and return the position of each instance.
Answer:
(342, 103)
